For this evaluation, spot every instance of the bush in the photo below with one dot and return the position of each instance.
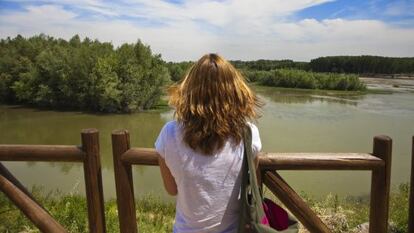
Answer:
(86, 75)
(293, 78)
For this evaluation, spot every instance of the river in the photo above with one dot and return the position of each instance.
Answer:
(292, 121)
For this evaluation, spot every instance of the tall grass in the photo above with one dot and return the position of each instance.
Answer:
(342, 215)
(154, 215)
(294, 78)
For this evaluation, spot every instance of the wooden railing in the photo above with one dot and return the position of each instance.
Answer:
(379, 162)
(88, 154)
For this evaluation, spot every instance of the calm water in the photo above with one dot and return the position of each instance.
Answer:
(292, 121)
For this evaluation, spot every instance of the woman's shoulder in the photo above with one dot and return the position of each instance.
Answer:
(169, 128)
(170, 124)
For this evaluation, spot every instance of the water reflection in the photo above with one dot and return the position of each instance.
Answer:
(290, 96)
(292, 121)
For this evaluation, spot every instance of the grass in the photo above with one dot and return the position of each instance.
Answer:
(293, 78)
(343, 215)
(258, 87)
(156, 216)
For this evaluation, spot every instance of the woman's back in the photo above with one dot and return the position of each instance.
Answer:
(201, 152)
(208, 186)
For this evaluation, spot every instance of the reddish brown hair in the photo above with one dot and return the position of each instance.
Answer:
(213, 102)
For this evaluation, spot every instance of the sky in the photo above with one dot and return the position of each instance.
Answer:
(237, 29)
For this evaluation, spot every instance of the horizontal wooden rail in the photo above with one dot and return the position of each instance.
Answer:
(281, 161)
(141, 156)
(379, 162)
(88, 154)
(319, 161)
(45, 153)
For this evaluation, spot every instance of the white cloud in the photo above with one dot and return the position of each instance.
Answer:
(237, 29)
(401, 7)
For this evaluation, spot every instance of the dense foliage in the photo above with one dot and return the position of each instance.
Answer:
(363, 64)
(281, 74)
(89, 75)
(293, 78)
(94, 76)
(178, 69)
(267, 65)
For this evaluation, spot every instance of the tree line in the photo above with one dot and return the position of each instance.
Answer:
(363, 64)
(80, 74)
(294, 78)
(92, 75)
(267, 65)
(179, 69)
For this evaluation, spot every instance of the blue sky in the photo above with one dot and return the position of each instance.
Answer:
(237, 29)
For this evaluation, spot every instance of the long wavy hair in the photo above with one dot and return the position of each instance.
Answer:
(213, 103)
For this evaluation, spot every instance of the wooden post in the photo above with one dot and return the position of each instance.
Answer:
(380, 186)
(37, 215)
(294, 203)
(124, 183)
(93, 181)
(411, 203)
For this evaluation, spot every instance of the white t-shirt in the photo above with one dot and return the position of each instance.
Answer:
(208, 186)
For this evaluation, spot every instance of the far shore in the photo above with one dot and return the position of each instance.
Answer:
(395, 83)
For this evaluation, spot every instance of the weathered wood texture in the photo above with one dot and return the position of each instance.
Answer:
(93, 181)
(411, 203)
(55, 153)
(141, 156)
(39, 216)
(319, 161)
(294, 203)
(282, 161)
(380, 186)
(379, 163)
(88, 153)
(124, 183)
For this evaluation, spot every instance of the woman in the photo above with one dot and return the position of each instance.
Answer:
(201, 152)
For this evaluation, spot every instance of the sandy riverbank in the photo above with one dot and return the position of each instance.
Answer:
(391, 84)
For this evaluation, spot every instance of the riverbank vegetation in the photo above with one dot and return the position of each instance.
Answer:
(293, 78)
(155, 216)
(95, 76)
(80, 74)
(362, 65)
(368, 65)
(284, 73)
